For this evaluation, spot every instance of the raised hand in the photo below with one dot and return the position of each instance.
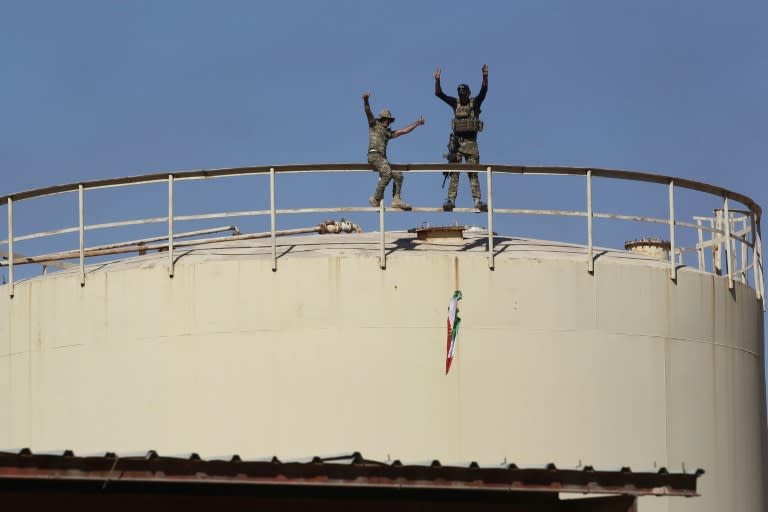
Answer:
(437, 74)
(485, 70)
(366, 95)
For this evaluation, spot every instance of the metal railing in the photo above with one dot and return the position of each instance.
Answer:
(728, 230)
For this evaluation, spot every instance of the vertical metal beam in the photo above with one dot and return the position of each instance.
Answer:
(489, 187)
(760, 285)
(272, 217)
(170, 225)
(382, 255)
(744, 272)
(590, 217)
(81, 215)
(699, 249)
(10, 248)
(728, 262)
(717, 260)
(673, 269)
(755, 272)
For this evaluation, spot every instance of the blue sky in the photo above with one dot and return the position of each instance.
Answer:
(105, 88)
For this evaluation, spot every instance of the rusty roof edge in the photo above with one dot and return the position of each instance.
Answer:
(343, 470)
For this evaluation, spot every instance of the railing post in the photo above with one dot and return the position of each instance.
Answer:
(10, 248)
(760, 285)
(590, 216)
(489, 187)
(81, 215)
(717, 259)
(728, 262)
(673, 268)
(744, 270)
(382, 254)
(170, 225)
(755, 271)
(272, 217)
(699, 249)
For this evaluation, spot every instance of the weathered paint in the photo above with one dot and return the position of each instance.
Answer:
(623, 367)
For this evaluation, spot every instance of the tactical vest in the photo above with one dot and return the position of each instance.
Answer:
(465, 118)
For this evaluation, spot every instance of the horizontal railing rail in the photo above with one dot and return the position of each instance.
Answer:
(506, 169)
(726, 228)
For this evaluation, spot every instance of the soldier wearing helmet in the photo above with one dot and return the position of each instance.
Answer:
(464, 129)
(379, 133)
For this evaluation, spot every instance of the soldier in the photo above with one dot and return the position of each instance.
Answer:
(463, 142)
(379, 133)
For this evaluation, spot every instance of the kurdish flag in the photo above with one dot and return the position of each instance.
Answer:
(453, 329)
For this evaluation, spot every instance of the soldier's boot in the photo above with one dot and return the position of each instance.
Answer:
(481, 206)
(449, 205)
(396, 201)
(378, 194)
(399, 203)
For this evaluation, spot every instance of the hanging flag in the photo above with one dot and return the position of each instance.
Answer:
(453, 329)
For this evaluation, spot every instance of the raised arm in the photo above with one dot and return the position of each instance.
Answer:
(439, 90)
(409, 128)
(367, 107)
(484, 89)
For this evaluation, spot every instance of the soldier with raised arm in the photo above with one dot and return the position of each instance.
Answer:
(379, 134)
(465, 126)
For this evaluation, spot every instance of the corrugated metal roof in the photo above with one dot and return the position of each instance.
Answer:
(346, 470)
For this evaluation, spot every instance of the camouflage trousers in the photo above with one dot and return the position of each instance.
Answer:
(474, 181)
(386, 174)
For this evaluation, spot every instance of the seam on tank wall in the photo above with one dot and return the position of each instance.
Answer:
(691, 340)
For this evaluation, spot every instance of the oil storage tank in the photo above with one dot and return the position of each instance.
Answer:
(318, 344)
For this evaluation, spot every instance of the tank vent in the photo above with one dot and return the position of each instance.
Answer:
(653, 247)
(432, 233)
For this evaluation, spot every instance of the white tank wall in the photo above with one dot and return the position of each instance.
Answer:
(330, 355)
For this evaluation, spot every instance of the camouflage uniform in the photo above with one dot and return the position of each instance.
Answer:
(467, 149)
(465, 142)
(378, 138)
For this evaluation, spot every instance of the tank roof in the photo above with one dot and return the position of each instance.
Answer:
(368, 244)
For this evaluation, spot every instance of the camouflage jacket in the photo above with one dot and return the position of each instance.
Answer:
(378, 137)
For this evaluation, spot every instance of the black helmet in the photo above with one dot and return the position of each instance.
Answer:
(463, 88)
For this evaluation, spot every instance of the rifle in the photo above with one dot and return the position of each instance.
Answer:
(453, 148)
